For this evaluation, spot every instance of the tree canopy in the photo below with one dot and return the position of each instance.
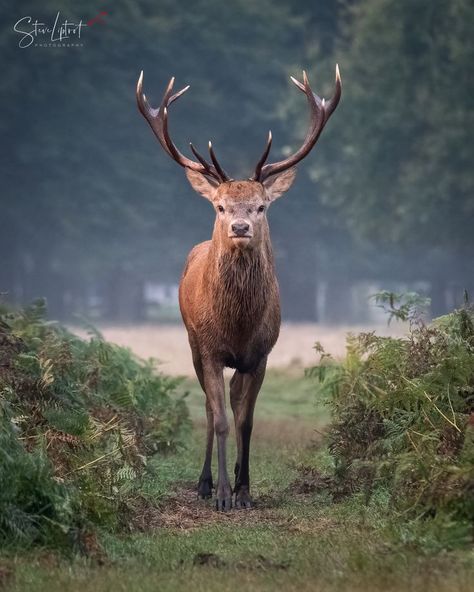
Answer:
(91, 203)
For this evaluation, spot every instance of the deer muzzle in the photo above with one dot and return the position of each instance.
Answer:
(240, 229)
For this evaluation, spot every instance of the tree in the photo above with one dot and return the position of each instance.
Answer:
(88, 194)
(397, 165)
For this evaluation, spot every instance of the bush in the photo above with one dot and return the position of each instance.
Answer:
(78, 422)
(403, 419)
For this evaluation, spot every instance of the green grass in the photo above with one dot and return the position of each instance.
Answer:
(285, 394)
(290, 541)
(257, 558)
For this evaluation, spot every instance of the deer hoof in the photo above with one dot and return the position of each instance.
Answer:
(243, 499)
(204, 496)
(205, 489)
(223, 504)
(243, 504)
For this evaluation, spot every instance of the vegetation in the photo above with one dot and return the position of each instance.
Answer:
(402, 430)
(83, 425)
(386, 506)
(296, 539)
(83, 217)
(394, 164)
(403, 164)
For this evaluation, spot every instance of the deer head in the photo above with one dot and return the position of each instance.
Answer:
(240, 206)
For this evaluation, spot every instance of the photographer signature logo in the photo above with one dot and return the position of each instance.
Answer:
(59, 33)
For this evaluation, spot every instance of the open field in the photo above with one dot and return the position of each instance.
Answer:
(169, 343)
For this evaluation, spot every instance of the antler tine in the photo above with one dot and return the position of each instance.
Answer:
(297, 83)
(175, 153)
(320, 111)
(201, 159)
(332, 103)
(316, 105)
(263, 158)
(215, 162)
(178, 94)
(150, 114)
(158, 121)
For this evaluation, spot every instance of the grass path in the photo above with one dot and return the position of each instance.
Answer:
(292, 540)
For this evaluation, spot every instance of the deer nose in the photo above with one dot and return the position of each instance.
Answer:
(240, 228)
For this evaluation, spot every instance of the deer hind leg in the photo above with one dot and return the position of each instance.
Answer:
(244, 390)
(213, 378)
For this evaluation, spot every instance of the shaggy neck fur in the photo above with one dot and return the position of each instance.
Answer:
(240, 282)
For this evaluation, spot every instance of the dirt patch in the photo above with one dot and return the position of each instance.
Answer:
(311, 480)
(185, 511)
(259, 562)
(142, 515)
(208, 559)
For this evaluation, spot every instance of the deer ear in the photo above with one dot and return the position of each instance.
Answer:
(277, 185)
(201, 184)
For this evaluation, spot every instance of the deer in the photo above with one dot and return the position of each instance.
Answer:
(228, 293)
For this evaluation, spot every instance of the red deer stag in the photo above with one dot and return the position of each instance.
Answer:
(228, 294)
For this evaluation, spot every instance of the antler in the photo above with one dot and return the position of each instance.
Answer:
(158, 120)
(321, 111)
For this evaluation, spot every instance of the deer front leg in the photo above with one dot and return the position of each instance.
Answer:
(215, 393)
(244, 389)
(205, 480)
(205, 484)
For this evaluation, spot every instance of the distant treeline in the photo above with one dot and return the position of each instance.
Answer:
(92, 211)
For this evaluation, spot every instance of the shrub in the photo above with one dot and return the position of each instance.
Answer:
(78, 422)
(403, 418)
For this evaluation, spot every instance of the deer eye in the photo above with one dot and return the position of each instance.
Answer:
(220, 209)
(261, 209)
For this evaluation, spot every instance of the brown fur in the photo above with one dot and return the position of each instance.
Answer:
(229, 302)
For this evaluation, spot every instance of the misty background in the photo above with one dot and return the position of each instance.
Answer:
(96, 218)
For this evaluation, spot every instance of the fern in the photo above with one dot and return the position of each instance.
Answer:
(403, 416)
(79, 419)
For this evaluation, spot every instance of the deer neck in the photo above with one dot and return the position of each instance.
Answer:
(240, 280)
